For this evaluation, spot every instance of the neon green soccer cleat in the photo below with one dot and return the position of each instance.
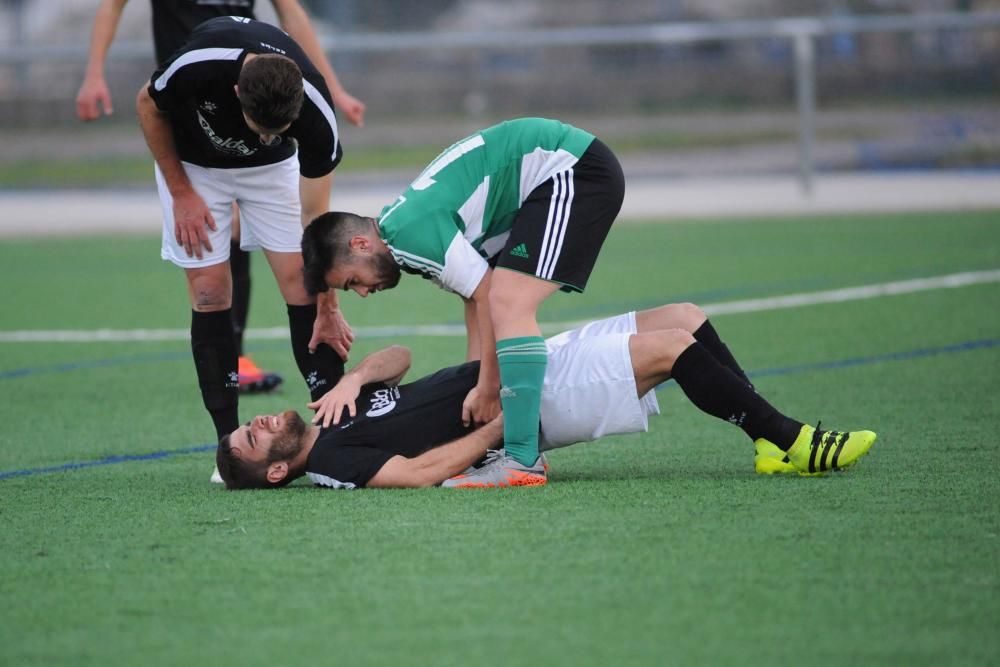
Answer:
(816, 451)
(768, 459)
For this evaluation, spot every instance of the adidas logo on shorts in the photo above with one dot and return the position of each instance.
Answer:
(520, 250)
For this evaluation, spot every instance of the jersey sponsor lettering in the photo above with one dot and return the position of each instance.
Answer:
(225, 144)
(383, 401)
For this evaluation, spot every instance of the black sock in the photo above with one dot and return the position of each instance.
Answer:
(715, 389)
(239, 267)
(321, 370)
(215, 361)
(709, 337)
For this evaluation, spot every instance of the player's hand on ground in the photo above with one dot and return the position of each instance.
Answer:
(331, 328)
(330, 407)
(480, 406)
(93, 96)
(351, 108)
(192, 222)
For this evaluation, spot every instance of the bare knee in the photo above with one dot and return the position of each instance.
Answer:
(511, 292)
(513, 300)
(501, 301)
(210, 288)
(686, 316)
(672, 343)
(691, 316)
(511, 316)
(654, 354)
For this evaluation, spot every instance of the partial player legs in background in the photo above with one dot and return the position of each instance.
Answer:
(253, 380)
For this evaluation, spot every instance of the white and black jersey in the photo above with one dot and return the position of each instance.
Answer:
(174, 20)
(196, 86)
(406, 420)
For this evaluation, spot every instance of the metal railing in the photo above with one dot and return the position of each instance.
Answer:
(801, 32)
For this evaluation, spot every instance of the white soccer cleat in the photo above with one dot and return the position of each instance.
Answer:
(216, 477)
(500, 471)
(493, 454)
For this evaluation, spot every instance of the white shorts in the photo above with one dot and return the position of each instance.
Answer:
(589, 390)
(270, 210)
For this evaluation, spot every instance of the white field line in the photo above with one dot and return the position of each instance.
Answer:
(724, 308)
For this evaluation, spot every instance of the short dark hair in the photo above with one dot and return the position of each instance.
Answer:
(271, 90)
(240, 474)
(326, 243)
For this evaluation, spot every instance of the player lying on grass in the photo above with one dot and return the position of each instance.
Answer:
(371, 432)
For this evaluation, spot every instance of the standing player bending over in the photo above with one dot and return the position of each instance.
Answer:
(504, 218)
(239, 114)
(173, 22)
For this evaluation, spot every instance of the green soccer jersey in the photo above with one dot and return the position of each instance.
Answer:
(459, 211)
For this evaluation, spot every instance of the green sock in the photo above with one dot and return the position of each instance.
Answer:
(522, 369)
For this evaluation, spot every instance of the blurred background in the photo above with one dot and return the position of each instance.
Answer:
(679, 88)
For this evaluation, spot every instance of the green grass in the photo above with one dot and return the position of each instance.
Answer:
(137, 170)
(652, 549)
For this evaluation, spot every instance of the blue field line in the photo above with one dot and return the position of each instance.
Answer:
(108, 460)
(907, 355)
(96, 363)
(982, 344)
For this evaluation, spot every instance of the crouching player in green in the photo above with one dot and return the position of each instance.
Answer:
(504, 218)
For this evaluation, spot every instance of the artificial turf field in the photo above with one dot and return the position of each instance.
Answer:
(657, 548)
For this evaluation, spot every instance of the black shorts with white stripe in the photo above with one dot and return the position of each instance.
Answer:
(561, 226)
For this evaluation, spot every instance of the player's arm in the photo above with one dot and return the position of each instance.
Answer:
(330, 327)
(483, 403)
(191, 215)
(314, 193)
(94, 93)
(295, 21)
(388, 365)
(472, 352)
(438, 464)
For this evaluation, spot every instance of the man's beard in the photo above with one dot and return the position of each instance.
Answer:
(386, 269)
(287, 444)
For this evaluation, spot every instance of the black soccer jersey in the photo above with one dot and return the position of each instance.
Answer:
(405, 420)
(196, 86)
(174, 20)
